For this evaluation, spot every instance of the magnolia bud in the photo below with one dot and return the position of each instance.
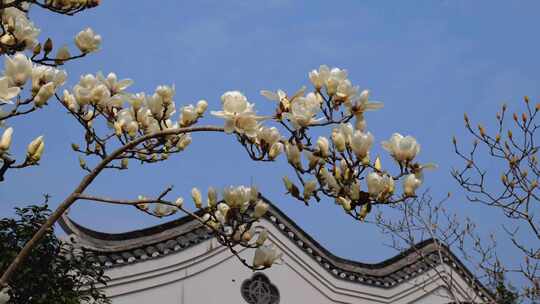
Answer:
(197, 197)
(309, 188)
(212, 197)
(48, 46)
(124, 163)
(366, 208)
(323, 146)
(263, 236)
(339, 141)
(82, 162)
(260, 209)
(37, 49)
(184, 141)
(253, 193)
(378, 165)
(275, 150)
(62, 55)
(345, 203)
(5, 141)
(288, 184)
(179, 202)
(35, 149)
(201, 107)
(75, 147)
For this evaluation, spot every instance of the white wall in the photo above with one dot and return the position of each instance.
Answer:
(208, 274)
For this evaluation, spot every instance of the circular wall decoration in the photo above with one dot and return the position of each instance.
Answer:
(259, 290)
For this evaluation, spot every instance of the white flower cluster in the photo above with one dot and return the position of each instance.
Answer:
(19, 30)
(231, 217)
(132, 114)
(45, 80)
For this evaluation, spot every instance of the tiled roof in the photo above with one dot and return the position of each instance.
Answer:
(118, 249)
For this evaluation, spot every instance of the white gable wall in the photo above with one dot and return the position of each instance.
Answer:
(208, 273)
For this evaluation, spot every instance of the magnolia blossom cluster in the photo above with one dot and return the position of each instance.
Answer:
(131, 115)
(340, 166)
(44, 82)
(20, 32)
(231, 217)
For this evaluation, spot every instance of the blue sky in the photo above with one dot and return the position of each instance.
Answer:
(428, 61)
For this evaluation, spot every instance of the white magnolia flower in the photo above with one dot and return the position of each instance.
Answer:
(126, 122)
(238, 114)
(329, 180)
(137, 100)
(323, 146)
(361, 143)
(309, 188)
(275, 150)
(43, 95)
(87, 41)
(361, 103)
(41, 75)
(161, 104)
(339, 140)
(113, 84)
(403, 149)
(269, 135)
(70, 101)
(336, 77)
(345, 90)
(319, 77)
(236, 197)
(188, 115)
(18, 69)
(293, 154)
(100, 95)
(165, 93)
(265, 256)
(260, 209)
(380, 186)
(281, 97)
(304, 110)
(184, 141)
(83, 90)
(22, 30)
(410, 183)
(5, 141)
(6, 92)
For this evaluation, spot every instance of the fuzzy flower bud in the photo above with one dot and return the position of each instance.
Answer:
(212, 197)
(197, 197)
(5, 141)
(201, 107)
(260, 209)
(35, 149)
